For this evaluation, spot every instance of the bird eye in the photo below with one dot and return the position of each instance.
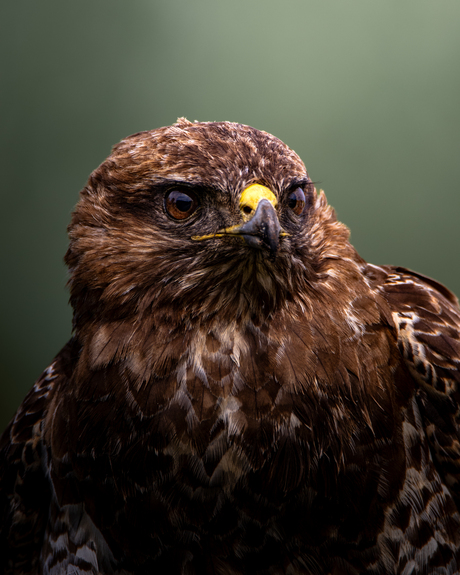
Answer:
(180, 205)
(296, 201)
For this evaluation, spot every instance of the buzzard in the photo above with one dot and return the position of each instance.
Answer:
(243, 393)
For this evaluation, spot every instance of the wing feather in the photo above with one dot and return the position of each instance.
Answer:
(25, 488)
(427, 318)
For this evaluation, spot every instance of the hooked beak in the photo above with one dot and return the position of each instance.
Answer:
(261, 227)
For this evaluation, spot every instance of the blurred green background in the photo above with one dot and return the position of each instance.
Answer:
(366, 91)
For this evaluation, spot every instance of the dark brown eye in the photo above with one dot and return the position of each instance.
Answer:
(180, 205)
(296, 201)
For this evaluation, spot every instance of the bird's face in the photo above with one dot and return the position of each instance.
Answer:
(199, 218)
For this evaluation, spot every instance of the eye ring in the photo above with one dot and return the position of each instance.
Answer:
(296, 201)
(180, 205)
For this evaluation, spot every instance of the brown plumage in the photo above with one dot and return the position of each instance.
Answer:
(243, 393)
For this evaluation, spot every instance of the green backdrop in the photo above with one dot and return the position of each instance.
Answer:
(366, 91)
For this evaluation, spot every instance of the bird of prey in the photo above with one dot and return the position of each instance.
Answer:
(243, 394)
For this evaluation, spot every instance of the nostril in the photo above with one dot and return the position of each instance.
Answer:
(247, 209)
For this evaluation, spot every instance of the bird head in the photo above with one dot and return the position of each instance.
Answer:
(199, 220)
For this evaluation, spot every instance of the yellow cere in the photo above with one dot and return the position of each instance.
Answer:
(252, 195)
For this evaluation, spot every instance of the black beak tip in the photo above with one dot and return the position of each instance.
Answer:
(263, 229)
